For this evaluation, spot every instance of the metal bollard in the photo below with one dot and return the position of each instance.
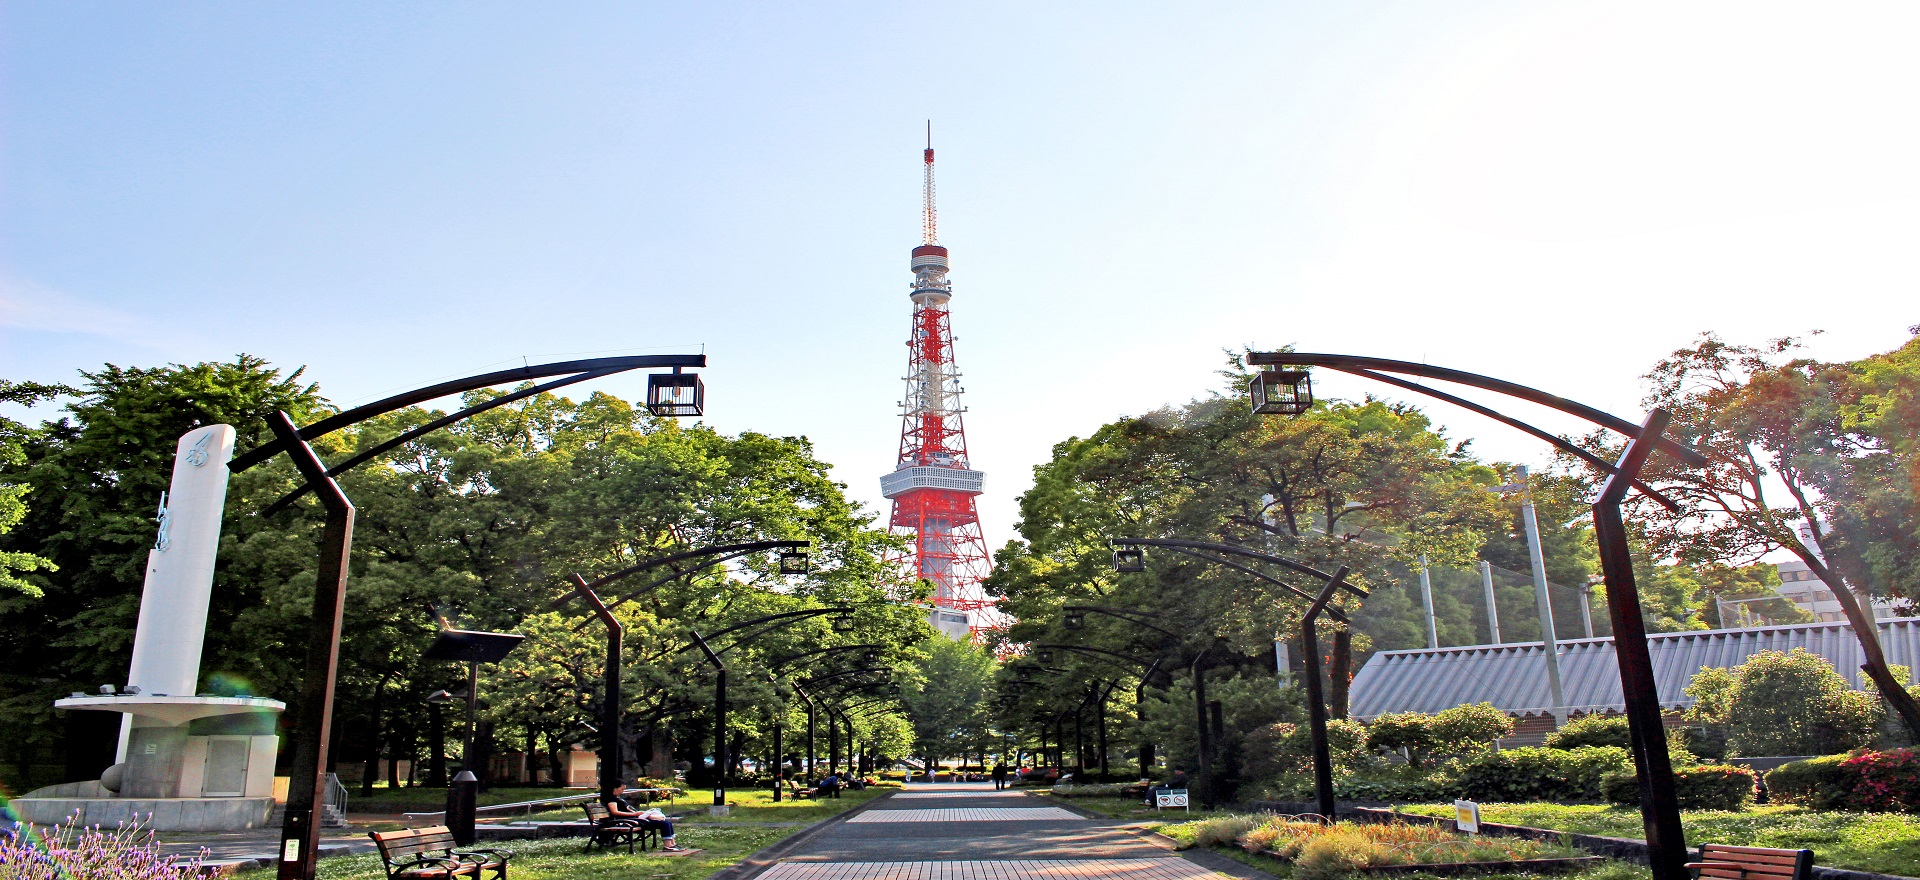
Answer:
(461, 795)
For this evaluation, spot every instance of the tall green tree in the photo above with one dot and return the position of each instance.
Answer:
(1798, 447)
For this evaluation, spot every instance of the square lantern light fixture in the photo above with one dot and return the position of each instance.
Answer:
(794, 561)
(1129, 559)
(843, 623)
(1281, 392)
(1074, 619)
(1024, 673)
(871, 657)
(676, 394)
(1044, 655)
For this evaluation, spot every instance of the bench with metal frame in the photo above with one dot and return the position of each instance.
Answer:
(429, 854)
(608, 831)
(1722, 862)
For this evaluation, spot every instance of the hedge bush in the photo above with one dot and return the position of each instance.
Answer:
(1815, 782)
(1887, 781)
(1591, 730)
(1105, 789)
(1706, 787)
(1404, 791)
(1540, 774)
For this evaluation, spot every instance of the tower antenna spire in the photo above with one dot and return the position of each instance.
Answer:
(929, 218)
(932, 486)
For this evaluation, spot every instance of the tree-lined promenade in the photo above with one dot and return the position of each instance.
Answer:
(484, 521)
(1136, 651)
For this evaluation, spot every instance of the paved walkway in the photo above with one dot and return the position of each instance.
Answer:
(962, 831)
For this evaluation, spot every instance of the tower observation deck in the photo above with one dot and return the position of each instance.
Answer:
(931, 486)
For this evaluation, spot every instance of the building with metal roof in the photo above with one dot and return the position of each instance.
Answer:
(1513, 677)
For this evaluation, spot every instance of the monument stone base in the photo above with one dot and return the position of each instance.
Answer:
(158, 814)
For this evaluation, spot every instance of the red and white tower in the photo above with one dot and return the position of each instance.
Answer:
(931, 486)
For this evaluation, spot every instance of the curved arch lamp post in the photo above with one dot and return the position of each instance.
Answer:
(872, 655)
(843, 622)
(1139, 690)
(1075, 617)
(1290, 392)
(587, 591)
(668, 394)
(1128, 556)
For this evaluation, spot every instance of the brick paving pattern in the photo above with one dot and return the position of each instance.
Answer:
(971, 832)
(1015, 869)
(969, 814)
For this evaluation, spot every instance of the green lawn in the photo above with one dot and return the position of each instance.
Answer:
(562, 859)
(1888, 843)
(1132, 808)
(723, 841)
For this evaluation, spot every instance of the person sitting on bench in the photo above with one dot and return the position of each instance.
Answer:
(619, 809)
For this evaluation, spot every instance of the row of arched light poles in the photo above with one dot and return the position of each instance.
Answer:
(673, 394)
(1285, 389)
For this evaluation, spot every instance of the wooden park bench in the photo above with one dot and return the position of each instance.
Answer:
(796, 791)
(429, 854)
(1722, 862)
(609, 831)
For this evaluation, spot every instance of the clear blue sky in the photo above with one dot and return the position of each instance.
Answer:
(390, 193)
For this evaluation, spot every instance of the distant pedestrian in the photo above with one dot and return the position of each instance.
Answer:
(1000, 776)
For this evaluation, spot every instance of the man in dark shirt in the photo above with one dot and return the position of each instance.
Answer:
(999, 776)
(620, 810)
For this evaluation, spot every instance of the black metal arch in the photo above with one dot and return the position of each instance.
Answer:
(819, 651)
(1282, 561)
(604, 366)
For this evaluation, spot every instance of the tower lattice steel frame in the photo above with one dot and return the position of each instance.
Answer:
(931, 486)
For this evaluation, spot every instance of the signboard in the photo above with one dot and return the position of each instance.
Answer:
(1466, 816)
(1170, 797)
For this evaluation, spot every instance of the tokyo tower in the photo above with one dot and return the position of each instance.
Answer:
(931, 486)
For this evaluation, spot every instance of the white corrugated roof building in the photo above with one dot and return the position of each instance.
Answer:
(1513, 677)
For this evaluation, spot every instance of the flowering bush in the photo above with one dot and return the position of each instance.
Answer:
(71, 852)
(1885, 781)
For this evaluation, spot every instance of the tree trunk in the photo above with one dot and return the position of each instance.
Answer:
(1340, 673)
(1867, 630)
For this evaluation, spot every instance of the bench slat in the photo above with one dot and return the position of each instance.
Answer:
(1754, 850)
(1730, 869)
(1775, 857)
(1753, 867)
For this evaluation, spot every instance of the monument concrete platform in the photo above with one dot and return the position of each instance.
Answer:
(159, 814)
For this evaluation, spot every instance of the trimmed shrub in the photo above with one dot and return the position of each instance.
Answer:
(1109, 789)
(1815, 782)
(1887, 781)
(1538, 774)
(1706, 787)
(1785, 703)
(1459, 732)
(1591, 730)
(1404, 791)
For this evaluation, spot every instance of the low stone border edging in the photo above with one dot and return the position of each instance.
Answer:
(754, 863)
(1626, 849)
(1207, 859)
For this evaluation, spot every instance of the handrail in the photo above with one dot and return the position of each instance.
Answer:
(559, 800)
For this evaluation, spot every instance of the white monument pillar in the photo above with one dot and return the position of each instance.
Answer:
(186, 762)
(173, 606)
